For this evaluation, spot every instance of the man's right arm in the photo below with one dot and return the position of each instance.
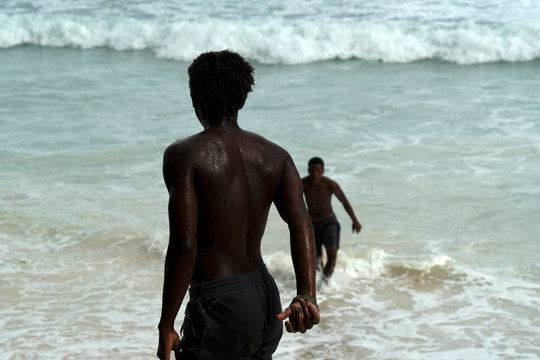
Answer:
(291, 207)
(182, 248)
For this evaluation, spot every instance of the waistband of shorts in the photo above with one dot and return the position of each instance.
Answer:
(333, 217)
(219, 286)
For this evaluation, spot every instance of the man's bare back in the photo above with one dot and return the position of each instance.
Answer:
(235, 176)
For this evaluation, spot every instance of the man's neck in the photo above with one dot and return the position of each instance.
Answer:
(223, 126)
(221, 122)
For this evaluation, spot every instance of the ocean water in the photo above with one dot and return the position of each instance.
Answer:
(426, 113)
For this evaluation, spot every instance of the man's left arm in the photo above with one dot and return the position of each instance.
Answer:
(356, 226)
(182, 249)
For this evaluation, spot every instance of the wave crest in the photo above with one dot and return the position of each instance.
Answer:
(280, 41)
(377, 263)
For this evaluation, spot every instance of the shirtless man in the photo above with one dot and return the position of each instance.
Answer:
(318, 191)
(222, 182)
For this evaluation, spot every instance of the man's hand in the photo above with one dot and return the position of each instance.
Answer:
(356, 227)
(302, 316)
(168, 341)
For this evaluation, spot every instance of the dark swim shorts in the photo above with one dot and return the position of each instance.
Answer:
(326, 233)
(232, 318)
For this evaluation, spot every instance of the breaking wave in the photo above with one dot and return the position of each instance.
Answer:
(279, 41)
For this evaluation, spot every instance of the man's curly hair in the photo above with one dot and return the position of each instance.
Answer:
(219, 82)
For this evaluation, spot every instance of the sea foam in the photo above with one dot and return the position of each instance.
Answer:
(278, 41)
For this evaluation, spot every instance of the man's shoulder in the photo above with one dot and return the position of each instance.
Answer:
(184, 146)
(181, 154)
(273, 153)
(264, 141)
(329, 182)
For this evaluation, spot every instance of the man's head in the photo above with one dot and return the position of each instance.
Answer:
(316, 168)
(316, 161)
(219, 83)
